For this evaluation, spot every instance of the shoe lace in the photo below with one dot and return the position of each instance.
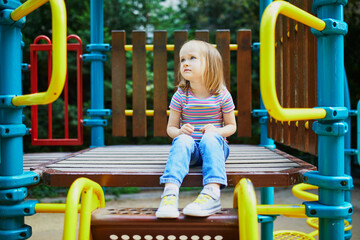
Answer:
(169, 200)
(202, 198)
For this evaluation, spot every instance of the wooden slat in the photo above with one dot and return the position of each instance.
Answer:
(223, 42)
(160, 83)
(202, 35)
(118, 83)
(139, 84)
(263, 166)
(180, 37)
(293, 79)
(279, 131)
(244, 83)
(286, 81)
(302, 134)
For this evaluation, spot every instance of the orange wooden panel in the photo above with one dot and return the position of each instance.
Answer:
(244, 83)
(139, 84)
(118, 81)
(160, 83)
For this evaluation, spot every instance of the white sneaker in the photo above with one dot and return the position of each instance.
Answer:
(168, 207)
(206, 204)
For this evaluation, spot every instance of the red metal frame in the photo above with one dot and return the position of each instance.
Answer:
(50, 141)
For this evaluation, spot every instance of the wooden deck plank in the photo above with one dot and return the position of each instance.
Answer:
(142, 165)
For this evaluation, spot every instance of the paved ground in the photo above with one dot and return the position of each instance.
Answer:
(49, 226)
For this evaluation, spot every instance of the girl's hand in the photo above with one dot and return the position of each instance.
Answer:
(208, 128)
(187, 129)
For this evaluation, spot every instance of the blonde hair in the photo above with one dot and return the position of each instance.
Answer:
(213, 74)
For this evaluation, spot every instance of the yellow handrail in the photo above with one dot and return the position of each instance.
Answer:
(59, 60)
(150, 113)
(299, 191)
(52, 207)
(245, 199)
(267, 61)
(171, 47)
(92, 197)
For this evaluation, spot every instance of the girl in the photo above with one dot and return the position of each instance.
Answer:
(201, 116)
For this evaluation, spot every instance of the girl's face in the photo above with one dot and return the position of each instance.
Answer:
(191, 64)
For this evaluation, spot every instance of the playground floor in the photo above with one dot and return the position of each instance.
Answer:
(50, 226)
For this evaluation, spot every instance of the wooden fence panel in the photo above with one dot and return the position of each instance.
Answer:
(118, 83)
(139, 84)
(180, 37)
(202, 35)
(223, 43)
(160, 83)
(244, 96)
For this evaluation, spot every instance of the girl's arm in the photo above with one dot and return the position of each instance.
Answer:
(229, 127)
(173, 127)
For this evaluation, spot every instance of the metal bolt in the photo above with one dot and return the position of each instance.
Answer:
(313, 212)
(306, 179)
(343, 183)
(350, 210)
(23, 234)
(26, 210)
(35, 179)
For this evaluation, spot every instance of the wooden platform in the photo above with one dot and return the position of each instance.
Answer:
(142, 165)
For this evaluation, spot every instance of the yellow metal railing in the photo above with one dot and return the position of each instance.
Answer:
(267, 61)
(92, 197)
(171, 47)
(59, 51)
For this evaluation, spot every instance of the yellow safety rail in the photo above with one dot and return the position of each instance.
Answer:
(267, 61)
(245, 199)
(92, 197)
(52, 207)
(59, 51)
(299, 191)
(171, 47)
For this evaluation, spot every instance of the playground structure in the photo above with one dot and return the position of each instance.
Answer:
(333, 176)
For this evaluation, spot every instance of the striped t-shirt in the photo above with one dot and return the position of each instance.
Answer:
(200, 112)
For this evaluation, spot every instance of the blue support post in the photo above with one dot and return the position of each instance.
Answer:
(96, 57)
(13, 208)
(331, 208)
(267, 194)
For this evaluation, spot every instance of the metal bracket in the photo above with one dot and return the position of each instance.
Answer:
(25, 208)
(98, 112)
(333, 27)
(330, 129)
(94, 122)
(101, 47)
(5, 19)
(94, 57)
(13, 195)
(255, 47)
(259, 112)
(5, 102)
(24, 232)
(336, 113)
(25, 179)
(12, 130)
(266, 219)
(316, 209)
(10, 4)
(329, 182)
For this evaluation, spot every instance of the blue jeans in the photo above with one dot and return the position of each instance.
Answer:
(211, 152)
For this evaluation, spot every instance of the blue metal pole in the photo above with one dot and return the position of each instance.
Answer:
(267, 194)
(331, 94)
(97, 71)
(13, 208)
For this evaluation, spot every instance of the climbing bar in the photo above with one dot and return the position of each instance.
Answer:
(267, 61)
(92, 197)
(52, 207)
(245, 201)
(171, 47)
(299, 191)
(58, 75)
(150, 113)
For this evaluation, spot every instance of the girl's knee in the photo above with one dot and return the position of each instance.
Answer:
(184, 140)
(211, 136)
